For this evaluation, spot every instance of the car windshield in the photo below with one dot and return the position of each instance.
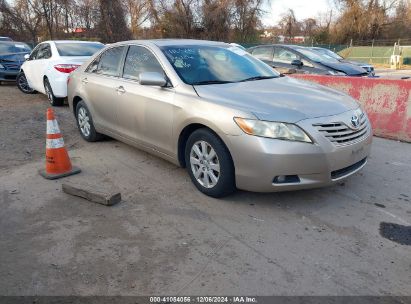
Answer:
(198, 64)
(328, 53)
(78, 49)
(15, 47)
(314, 56)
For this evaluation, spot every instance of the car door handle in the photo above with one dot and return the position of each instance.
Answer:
(120, 90)
(84, 81)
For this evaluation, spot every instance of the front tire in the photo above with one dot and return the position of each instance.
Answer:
(85, 123)
(209, 164)
(23, 84)
(54, 101)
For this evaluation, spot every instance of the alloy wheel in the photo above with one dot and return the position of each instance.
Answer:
(205, 164)
(84, 121)
(23, 84)
(49, 93)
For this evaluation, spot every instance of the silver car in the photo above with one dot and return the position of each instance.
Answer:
(227, 117)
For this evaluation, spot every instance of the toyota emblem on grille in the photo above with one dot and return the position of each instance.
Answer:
(355, 121)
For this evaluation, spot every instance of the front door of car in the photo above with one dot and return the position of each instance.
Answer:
(28, 66)
(283, 59)
(145, 113)
(34, 68)
(100, 83)
(310, 67)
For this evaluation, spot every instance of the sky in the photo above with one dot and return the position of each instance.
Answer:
(302, 8)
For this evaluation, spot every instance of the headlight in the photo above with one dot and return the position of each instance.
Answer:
(337, 73)
(277, 130)
(1, 66)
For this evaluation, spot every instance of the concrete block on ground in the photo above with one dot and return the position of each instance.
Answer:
(94, 193)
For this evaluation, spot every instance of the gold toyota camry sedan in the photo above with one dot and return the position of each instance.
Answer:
(226, 116)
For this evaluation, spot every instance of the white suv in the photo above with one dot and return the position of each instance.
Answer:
(47, 67)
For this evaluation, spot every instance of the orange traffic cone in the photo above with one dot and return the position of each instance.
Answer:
(57, 160)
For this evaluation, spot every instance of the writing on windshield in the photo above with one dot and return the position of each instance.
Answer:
(198, 64)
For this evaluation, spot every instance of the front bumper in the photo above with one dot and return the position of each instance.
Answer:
(258, 161)
(8, 75)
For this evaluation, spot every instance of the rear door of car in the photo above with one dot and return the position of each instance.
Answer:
(145, 112)
(101, 84)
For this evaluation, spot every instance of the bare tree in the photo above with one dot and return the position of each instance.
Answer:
(112, 23)
(362, 19)
(138, 12)
(87, 12)
(178, 18)
(309, 27)
(246, 19)
(216, 19)
(23, 16)
(289, 24)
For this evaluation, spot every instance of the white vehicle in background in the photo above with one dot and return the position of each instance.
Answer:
(47, 68)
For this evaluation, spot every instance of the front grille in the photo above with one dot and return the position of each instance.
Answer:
(340, 134)
(347, 170)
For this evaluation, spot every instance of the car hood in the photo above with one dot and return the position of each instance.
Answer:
(279, 99)
(347, 68)
(13, 57)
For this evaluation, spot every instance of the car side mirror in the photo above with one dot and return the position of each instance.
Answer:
(152, 79)
(297, 63)
(27, 57)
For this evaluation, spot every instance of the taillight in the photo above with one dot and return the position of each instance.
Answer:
(66, 68)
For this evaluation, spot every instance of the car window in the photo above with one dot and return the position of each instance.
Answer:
(263, 53)
(315, 56)
(78, 49)
(44, 51)
(138, 60)
(284, 55)
(34, 53)
(92, 68)
(109, 62)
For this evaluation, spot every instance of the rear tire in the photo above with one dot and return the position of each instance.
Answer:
(85, 123)
(23, 85)
(54, 101)
(209, 164)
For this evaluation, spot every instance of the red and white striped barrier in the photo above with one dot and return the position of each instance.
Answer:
(387, 102)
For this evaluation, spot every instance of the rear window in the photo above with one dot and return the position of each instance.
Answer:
(78, 49)
(15, 47)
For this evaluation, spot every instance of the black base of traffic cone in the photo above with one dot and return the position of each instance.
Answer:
(74, 170)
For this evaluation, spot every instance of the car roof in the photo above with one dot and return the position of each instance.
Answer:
(291, 46)
(12, 42)
(172, 42)
(70, 41)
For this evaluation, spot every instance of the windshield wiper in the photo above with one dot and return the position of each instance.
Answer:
(211, 82)
(258, 78)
